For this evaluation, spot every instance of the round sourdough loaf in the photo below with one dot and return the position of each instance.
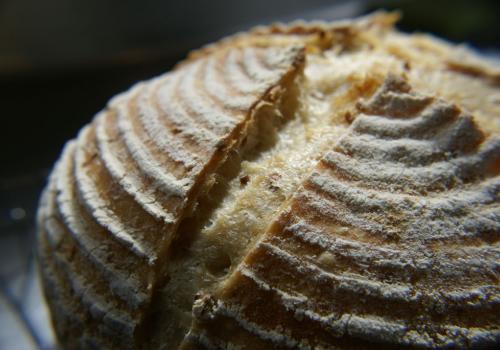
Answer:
(303, 186)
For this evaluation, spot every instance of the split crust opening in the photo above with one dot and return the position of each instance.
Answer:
(237, 192)
(283, 143)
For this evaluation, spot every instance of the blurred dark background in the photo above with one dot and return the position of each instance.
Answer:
(61, 60)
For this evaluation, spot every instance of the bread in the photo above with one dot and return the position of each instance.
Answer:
(311, 185)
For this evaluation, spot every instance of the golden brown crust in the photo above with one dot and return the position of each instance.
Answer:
(119, 191)
(391, 242)
(315, 35)
(391, 239)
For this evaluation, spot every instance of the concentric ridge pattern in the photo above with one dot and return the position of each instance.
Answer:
(119, 191)
(391, 242)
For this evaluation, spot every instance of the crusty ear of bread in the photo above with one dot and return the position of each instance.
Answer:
(312, 185)
(117, 195)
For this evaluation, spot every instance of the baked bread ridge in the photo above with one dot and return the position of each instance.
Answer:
(426, 62)
(368, 252)
(318, 35)
(109, 317)
(110, 210)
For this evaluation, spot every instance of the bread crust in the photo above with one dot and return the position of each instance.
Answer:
(391, 240)
(369, 250)
(118, 193)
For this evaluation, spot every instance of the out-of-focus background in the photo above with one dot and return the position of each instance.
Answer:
(61, 60)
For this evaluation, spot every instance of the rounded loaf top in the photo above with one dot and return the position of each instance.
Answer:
(303, 186)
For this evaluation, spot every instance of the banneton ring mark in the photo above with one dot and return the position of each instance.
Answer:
(303, 185)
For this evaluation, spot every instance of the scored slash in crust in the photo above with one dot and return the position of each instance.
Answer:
(389, 242)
